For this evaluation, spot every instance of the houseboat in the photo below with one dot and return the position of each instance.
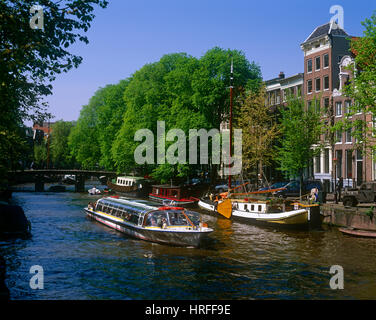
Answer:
(267, 212)
(130, 186)
(143, 220)
(173, 195)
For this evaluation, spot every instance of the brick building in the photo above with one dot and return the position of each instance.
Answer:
(324, 51)
(326, 59)
(351, 164)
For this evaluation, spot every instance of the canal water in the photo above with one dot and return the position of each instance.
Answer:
(82, 259)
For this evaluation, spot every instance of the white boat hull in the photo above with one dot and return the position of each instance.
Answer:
(300, 217)
(206, 206)
(181, 237)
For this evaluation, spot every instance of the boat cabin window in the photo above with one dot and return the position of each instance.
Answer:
(260, 208)
(172, 218)
(184, 218)
(177, 218)
(156, 219)
(128, 213)
(252, 207)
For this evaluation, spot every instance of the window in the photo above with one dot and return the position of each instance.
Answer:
(338, 136)
(318, 84)
(349, 161)
(309, 105)
(278, 98)
(326, 160)
(347, 106)
(326, 60)
(326, 83)
(317, 63)
(338, 108)
(339, 163)
(309, 65)
(348, 135)
(309, 86)
(326, 104)
(317, 164)
(317, 106)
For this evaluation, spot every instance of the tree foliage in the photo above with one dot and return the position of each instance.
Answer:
(362, 86)
(260, 131)
(83, 140)
(301, 130)
(31, 59)
(60, 155)
(185, 93)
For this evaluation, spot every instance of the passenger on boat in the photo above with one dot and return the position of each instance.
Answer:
(314, 194)
(164, 223)
(152, 221)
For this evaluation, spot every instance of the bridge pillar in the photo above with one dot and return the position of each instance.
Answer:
(39, 184)
(80, 183)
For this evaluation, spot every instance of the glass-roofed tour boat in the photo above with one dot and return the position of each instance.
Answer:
(147, 221)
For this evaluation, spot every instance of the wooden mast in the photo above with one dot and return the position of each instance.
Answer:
(230, 124)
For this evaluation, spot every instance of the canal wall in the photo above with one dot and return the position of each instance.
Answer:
(13, 223)
(4, 291)
(358, 217)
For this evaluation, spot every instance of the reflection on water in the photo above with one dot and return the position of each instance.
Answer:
(83, 259)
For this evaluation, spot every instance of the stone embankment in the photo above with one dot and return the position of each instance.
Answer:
(361, 217)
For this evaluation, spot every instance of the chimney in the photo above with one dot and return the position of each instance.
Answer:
(281, 75)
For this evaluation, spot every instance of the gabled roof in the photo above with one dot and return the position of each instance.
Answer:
(326, 29)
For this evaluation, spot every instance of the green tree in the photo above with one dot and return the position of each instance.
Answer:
(60, 155)
(83, 140)
(260, 131)
(301, 130)
(40, 154)
(31, 59)
(184, 92)
(361, 87)
(212, 80)
(109, 120)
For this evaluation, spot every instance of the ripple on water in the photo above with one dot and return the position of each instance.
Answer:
(83, 259)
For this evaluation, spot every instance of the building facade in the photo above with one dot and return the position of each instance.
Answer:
(278, 89)
(327, 57)
(324, 51)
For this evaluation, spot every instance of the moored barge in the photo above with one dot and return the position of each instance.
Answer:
(173, 195)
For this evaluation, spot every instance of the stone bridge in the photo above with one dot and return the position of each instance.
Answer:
(39, 177)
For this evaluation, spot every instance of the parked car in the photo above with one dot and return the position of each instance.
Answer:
(365, 193)
(275, 185)
(292, 189)
(224, 186)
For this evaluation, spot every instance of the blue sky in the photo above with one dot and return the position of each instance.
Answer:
(128, 34)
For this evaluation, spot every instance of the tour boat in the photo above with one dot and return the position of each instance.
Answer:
(271, 212)
(130, 186)
(144, 220)
(173, 195)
